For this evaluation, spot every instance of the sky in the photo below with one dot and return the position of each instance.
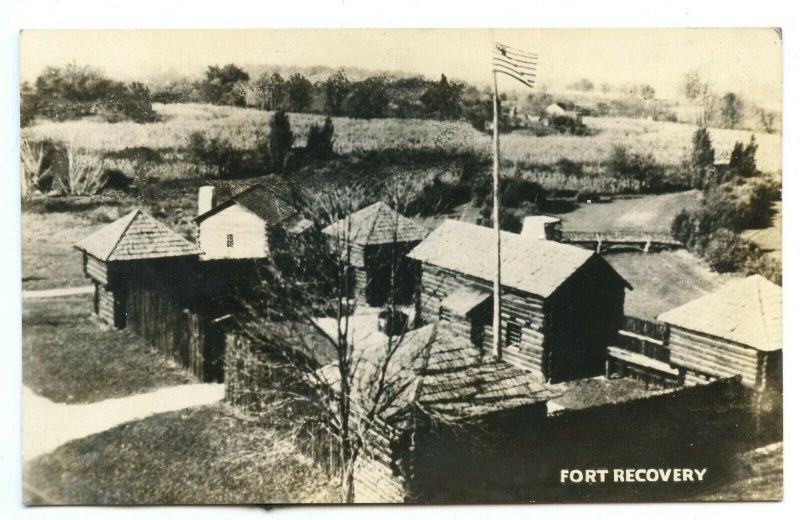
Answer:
(744, 61)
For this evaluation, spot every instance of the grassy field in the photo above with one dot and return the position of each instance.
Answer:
(205, 455)
(651, 213)
(49, 259)
(666, 141)
(70, 357)
(662, 281)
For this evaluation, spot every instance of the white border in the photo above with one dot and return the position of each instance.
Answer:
(364, 13)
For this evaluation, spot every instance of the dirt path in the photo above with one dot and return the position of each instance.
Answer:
(54, 293)
(47, 425)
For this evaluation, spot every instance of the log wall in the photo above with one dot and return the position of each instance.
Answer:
(526, 310)
(186, 336)
(713, 356)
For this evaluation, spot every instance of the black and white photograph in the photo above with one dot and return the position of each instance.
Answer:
(401, 266)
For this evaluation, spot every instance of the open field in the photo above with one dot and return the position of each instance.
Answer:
(662, 281)
(666, 141)
(49, 259)
(652, 213)
(70, 357)
(204, 455)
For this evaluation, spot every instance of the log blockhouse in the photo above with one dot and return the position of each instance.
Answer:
(561, 305)
(377, 240)
(735, 330)
(147, 278)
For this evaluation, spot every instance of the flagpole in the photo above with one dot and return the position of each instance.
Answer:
(496, 219)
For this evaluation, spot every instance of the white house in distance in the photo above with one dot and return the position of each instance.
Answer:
(239, 228)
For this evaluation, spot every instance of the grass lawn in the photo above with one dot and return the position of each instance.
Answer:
(204, 455)
(70, 357)
(769, 239)
(653, 213)
(662, 281)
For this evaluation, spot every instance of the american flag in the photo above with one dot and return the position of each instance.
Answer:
(520, 65)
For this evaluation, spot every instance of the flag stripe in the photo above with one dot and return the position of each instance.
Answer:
(523, 68)
(517, 64)
(515, 50)
(515, 60)
(516, 56)
(526, 77)
(510, 74)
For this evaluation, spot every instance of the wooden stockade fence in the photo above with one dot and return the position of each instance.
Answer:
(604, 242)
(645, 337)
(186, 336)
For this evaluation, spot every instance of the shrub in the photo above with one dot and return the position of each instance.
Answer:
(320, 141)
(281, 139)
(636, 167)
(743, 160)
(569, 168)
(86, 174)
(36, 166)
(727, 252)
(217, 155)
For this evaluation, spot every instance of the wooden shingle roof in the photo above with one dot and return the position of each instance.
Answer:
(445, 374)
(136, 236)
(745, 311)
(270, 200)
(534, 266)
(376, 224)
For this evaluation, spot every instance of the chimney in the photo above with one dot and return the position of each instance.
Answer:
(205, 199)
(541, 227)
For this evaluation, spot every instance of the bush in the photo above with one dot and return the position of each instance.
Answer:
(281, 139)
(635, 167)
(86, 174)
(217, 156)
(569, 168)
(320, 141)
(438, 197)
(727, 252)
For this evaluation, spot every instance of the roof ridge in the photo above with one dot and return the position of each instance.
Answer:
(136, 212)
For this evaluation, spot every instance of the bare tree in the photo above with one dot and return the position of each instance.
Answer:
(699, 91)
(304, 312)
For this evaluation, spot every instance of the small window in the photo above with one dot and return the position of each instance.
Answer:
(445, 314)
(513, 334)
(230, 240)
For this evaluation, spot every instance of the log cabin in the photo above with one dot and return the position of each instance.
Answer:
(376, 240)
(561, 305)
(735, 330)
(241, 227)
(147, 279)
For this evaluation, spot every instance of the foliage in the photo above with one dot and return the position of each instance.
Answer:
(298, 92)
(220, 85)
(583, 85)
(442, 100)
(75, 91)
(337, 88)
(216, 155)
(569, 168)
(743, 160)
(700, 163)
(369, 98)
(281, 139)
(477, 107)
(320, 141)
(36, 167)
(271, 91)
(86, 174)
(641, 168)
(731, 111)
